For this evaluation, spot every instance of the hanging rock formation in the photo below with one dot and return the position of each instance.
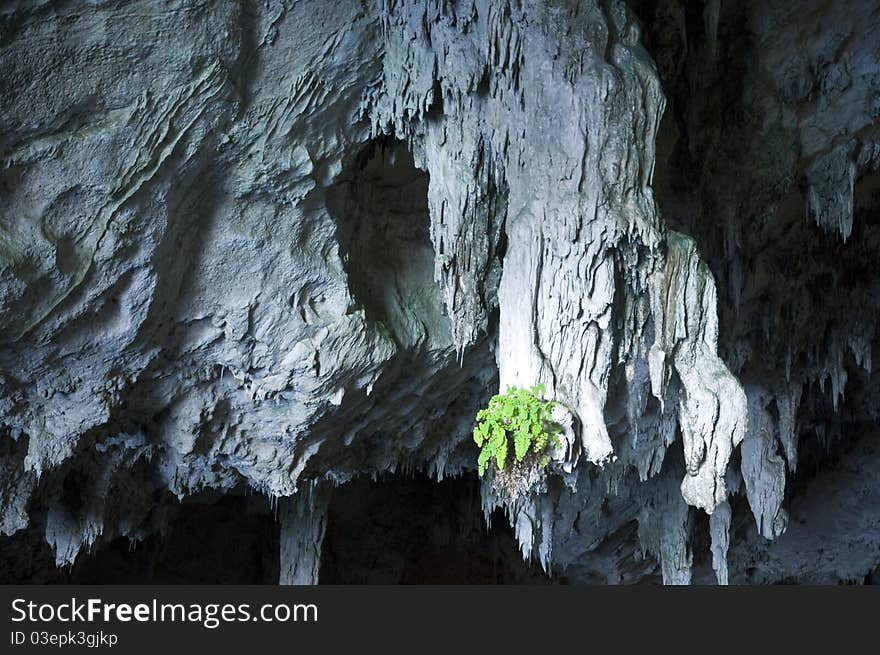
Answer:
(273, 246)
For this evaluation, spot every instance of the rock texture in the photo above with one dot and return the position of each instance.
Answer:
(273, 246)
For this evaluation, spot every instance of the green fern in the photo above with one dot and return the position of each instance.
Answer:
(519, 414)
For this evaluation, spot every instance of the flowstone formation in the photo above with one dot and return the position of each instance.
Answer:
(275, 246)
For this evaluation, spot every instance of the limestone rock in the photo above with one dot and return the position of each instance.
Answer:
(271, 247)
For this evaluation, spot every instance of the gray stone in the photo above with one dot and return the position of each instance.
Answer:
(270, 247)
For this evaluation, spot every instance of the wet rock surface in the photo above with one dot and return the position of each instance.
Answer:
(275, 250)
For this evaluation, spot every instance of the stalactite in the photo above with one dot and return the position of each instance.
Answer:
(248, 260)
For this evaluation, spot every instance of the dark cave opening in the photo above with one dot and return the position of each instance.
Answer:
(232, 539)
(415, 530)
(395, 530)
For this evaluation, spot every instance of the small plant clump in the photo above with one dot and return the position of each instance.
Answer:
(521, 416)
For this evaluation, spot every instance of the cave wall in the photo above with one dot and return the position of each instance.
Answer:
(279, 245)
(767, 156)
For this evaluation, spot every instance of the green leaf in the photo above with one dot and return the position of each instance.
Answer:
(521, 415)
